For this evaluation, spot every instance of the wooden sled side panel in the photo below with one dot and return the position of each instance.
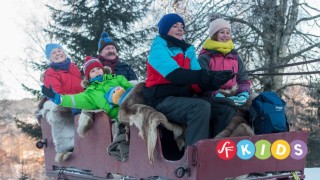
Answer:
(90, 159)
(89, 155)
(286, 153)
(200, 161)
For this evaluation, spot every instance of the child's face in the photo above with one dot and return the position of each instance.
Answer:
(57, 55)
(224, 35)
(177, 31)
(96, 71)
(109, 52)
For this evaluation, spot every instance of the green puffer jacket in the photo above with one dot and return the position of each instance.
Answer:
(93, 97)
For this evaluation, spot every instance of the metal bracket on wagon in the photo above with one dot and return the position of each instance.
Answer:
(42, 143)
(182, 171)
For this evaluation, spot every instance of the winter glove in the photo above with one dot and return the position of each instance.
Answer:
(221, 77)
(240, 101)
(116, 95)
(244, 94)
(242, 98)
(219, 95)
(233, 98)
(212, 80)
(51, 94)
(124, 96)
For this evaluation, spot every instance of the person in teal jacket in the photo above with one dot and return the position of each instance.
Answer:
(175, 77)
(97, 94)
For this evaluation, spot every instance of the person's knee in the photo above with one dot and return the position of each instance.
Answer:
(202, 106)
(202, 109)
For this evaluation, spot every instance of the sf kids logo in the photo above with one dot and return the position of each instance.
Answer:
(262, 149)
(226, 149)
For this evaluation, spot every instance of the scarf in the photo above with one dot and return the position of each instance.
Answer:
(112, 63)
(223, 47)
(97, 78)
(174, 42)
(65, 65)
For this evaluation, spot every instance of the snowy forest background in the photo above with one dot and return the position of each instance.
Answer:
(267, 33)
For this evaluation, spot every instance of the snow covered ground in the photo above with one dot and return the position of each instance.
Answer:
(312, 173)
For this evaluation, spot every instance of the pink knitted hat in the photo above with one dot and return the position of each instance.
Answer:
(218, 24)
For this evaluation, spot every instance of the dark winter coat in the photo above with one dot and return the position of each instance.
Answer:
(126, 71)
(121, 69)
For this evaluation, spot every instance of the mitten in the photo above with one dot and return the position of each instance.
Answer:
(234, 98)
(240, 101)
(221, 77)
(123, 96)
(219, 95)
(114, 95)
(242, 98)
(245, 94)
(212, 80)
(51, 94)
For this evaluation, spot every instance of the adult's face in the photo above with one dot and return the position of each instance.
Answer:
(109, 52)
(177, 31)
(57, 55)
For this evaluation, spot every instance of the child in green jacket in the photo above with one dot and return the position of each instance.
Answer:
(97, 94)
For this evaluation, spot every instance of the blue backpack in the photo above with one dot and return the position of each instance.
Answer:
(267, 114)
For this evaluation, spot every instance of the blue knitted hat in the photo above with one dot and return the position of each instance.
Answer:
(50, 47)
(104, 41)
(167, 21)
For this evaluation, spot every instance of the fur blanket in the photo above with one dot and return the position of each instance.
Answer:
(133, 111)
(62, 128)
(237, 127)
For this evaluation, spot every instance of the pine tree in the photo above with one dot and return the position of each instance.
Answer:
(79, 24)
(32, 130)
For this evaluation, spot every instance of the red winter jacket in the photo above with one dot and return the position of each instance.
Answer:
(64, 81)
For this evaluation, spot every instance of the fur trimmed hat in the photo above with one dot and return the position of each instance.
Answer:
(89, 64)
(167, 21)
(216, 23)
(105, 41)
(50, 47)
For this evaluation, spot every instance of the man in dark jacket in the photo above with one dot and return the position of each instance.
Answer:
(108, 56)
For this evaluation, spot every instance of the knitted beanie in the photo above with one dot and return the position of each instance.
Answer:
(105, 41)
(167, 21)
(89, 64)
(50, 47)
(218, 24)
